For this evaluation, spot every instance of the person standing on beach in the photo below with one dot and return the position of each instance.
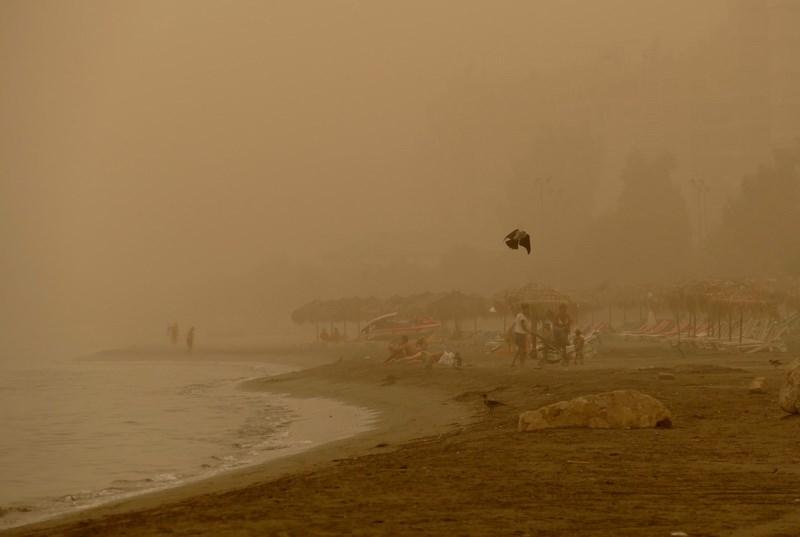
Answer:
(579, 342)
(534, 352)
(561, 333)
(520, 328)
(190, 340)
(173, 332)
(547, 340)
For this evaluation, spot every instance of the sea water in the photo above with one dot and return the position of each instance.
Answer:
(77, 433)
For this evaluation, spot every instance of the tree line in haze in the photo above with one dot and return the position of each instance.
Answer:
(645, 237)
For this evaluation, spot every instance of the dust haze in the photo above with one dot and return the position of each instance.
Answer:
(222, 163)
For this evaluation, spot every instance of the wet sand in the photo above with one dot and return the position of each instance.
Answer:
(437, 463)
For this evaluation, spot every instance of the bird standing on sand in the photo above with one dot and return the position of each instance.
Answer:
(518, 238)
(775, 363)
(491, 404)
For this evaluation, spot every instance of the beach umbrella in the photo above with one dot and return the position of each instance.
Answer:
(457, 306)
(500, 304)
(539, 299)
(311, 312)
(419, 305)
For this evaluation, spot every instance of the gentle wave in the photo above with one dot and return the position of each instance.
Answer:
(143, 430)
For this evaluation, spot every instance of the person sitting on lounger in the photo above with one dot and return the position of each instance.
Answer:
(399, 350)
(406, 352)
(419, 353)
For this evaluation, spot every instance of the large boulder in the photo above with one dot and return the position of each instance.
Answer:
(620, 409)
(789, 394)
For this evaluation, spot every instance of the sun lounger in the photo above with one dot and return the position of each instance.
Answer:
(757, 336)
(646, 328)
(643, 329)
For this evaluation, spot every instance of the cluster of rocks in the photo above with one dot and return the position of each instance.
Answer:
(630, 409)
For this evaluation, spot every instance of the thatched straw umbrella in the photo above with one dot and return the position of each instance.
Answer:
(718, 298)
(418, 305)
(500, 304)
(599, 298)
(342, 310)
(458, 306)
(368, 308)
(748, 297)
(311, 312)
(539, 300)
(626, 297)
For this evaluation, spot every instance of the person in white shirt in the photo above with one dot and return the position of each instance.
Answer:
(521, 327)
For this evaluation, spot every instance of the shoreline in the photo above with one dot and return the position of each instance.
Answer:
(440, 464)
(393, 418)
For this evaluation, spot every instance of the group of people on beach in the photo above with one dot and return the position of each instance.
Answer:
(406, 351)
(533, 339)
(174, 333)
(330, 337)
(553, 336)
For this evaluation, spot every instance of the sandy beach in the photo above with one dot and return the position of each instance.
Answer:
(437, 463)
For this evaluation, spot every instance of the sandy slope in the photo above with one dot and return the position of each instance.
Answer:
(729, 467)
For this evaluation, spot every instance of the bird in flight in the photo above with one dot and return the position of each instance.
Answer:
(518, 238)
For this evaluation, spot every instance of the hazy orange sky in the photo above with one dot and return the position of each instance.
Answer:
(150, 144)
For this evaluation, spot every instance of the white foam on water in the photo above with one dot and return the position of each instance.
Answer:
(79, 434)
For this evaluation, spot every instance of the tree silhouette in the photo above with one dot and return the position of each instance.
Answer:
(646, 237)
(759, 228)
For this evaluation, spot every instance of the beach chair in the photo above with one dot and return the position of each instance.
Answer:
(643, 329)
(762, 336)
(663, 326)
(650, 329)
(664, 329)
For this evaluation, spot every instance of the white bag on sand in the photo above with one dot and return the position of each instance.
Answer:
(620, 409)
(758, 385)
(448, 358)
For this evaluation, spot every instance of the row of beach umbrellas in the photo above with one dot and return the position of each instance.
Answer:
(452, 305)
(693, 297)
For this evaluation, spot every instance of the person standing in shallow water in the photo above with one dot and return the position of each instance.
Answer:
(190, 339)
